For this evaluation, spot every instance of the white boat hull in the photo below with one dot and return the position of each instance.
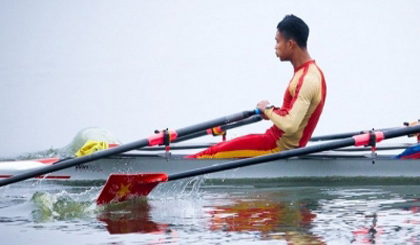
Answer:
(314, 167)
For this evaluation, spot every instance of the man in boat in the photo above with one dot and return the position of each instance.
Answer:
(304, 99)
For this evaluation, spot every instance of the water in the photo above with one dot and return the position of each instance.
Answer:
(215, 212)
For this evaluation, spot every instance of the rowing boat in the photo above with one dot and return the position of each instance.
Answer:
(326, 164)
(345, 162)
(134, 174)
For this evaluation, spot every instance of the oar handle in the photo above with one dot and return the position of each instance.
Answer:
(152, 140)
(357, 140)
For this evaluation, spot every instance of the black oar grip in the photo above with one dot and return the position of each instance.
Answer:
(241, 115)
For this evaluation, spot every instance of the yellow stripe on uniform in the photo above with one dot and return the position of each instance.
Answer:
(240, 153)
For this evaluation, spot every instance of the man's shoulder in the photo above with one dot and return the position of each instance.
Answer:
(314, 74)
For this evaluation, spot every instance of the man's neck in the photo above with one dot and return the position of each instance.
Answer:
(301, 57)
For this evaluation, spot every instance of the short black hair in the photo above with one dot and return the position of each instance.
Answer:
(293, 27)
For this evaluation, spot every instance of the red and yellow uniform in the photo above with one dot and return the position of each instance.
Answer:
(294, 122)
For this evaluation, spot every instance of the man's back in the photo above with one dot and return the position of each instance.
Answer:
(303, 102)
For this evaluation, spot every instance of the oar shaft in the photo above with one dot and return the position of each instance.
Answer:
(177, 147)
(378, 148)
(400, 131)
(155, 139)
(236, 124)
(345, 135)
(355, 140)
(215, 122)
(262, 159)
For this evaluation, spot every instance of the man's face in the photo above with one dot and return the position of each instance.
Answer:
(283, 47)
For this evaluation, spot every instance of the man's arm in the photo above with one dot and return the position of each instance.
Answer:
(290, 120)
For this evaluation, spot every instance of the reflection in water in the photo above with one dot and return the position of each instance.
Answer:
(273, 220)
(290, 219)
(129, 217)
(258, 216)
(374, 215)
(367, 235)
(134, 217)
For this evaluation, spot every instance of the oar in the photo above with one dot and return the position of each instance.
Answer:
(120, 187)
(349, 149)
(379, 148)
(155, 139)
(178, 147)
(209, 131)
(346, 135)
(222, 128)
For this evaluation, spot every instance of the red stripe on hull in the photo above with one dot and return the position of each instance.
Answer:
(47, 161)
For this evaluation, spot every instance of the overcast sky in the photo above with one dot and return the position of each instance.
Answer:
(134, 66)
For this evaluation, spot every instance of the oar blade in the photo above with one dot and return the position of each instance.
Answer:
(121, 187)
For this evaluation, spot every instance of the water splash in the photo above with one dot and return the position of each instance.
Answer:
(62, 206)
(178, 189)
(96, 134)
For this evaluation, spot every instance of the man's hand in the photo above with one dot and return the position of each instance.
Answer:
(261, 105)
(414, 123)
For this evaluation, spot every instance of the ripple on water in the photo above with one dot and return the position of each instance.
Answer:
(196, 211)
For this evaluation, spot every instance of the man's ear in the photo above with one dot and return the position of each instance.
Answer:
(292, 43)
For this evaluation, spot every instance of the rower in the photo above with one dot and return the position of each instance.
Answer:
(303, 102)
